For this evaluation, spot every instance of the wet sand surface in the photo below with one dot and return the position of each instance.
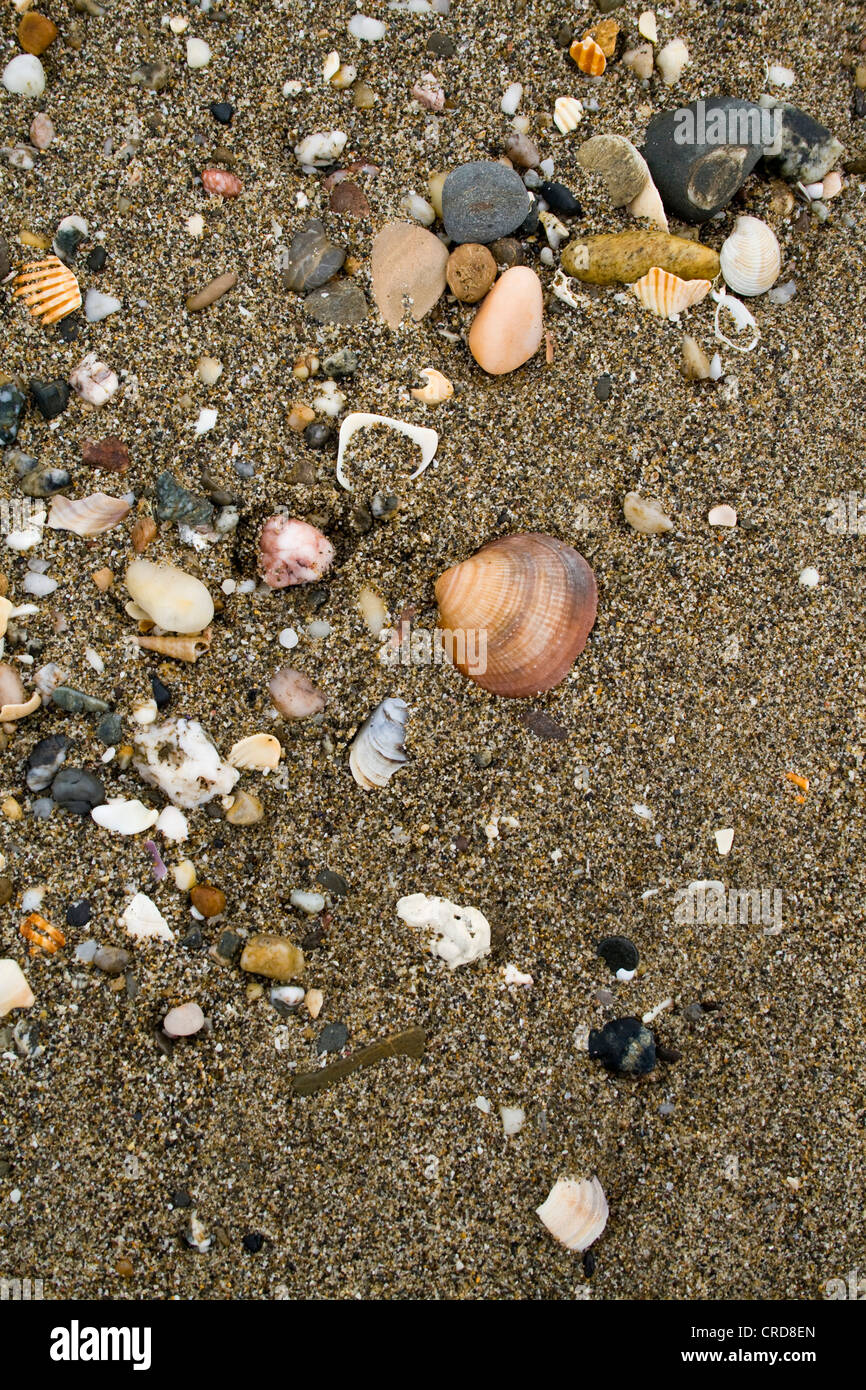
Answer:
(734, 1171)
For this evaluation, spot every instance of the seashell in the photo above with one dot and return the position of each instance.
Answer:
(623, 168)
(588, 56)
(518, 613)
(667, 295)
(15, 993)
(575, 1212)
(460, 934)
(243, 809)
(331, 65)
(144, 921)
(320, 149)
(428, 92)
(93, 381)
(671, 60)
(648, 204)
(832, 185)
(750, 257)
(292, 552)
(645, 515)
(640, 60)
(41, 935)
(436, 389)
(183, 1021)
(87, 516)
(222, 182)
(696, 364)
(171, 598)
(313, 1001)
(13, 704)
(188, 648)
(294, 694)
(179, 758)
(742, 318)
(124, 817)
(377, 750)
(722, 515)
(567, 114)
(49, 289)
(172, 823)
(257, 751)
(426, 439)
(647, 27)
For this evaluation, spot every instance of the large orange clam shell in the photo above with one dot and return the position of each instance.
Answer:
(532, 599)
(49, 289)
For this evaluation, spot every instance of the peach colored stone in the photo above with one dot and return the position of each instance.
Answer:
(508, 327)
(407, 260)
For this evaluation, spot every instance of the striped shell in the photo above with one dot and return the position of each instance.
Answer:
(750, 257)
(588, 56)
(49, 289)
(567, 114)
(377, 750)
(575, 1213)
(515, 615)
(667, 295)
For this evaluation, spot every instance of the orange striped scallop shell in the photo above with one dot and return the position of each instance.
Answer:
(589, 56)
(667, 295)
(49, 289)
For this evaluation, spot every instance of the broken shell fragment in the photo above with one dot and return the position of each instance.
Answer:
(671, 60)
(124, 817)
(588, 56)
(188, 648)
(377, 750)
(179, 758)
(171, 598)
(144, 921)
(93, 381)
(15, 993)
(567, 114)
(292, 552)
(13, 702)
(87, 516)
(750, 257)
(243, 809)
(666, 295)
(426, 439)
(515, 615)
(436, 389)
(645, 515)
(294, 694)
(722, 515)
(257, 751)
(648, 203)
(49, 289)
(575, 1212)
(460, 934)
(647, 26)
(41, 935)
(695, 364)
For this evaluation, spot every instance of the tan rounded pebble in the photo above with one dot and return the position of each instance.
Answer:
(509, 327)
(124, 1268)
(407, 260)
(314, 999)
(11, 809)
(245, 809)
(103, 579)
(363, 96)
(207, 900)
(470, 272)
(212, 292)
(142, 533)
(299, 417)
(36, 33)
(274, 956)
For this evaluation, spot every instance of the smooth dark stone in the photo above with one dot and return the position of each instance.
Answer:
(313, 259)
(229, 945)
(697, 174)
(858, 106)
(253, 1242)
(109, 730)
(181, 1198)
(193, 941)
(77, 790)
(332, 883)
(383, 505)
(4, 258)
(76, 702)
(507, 252)
(97, 258)
(441, 46)
(344, 362)
(529, 226)
(805, 150)
(46, 482)
(483, 201)
(45, 761)
(333, 1038)
(341, 302)
(561, 32)
(112, 960)
(51, 397)
(12, 403)
(161, 694)
(69, 328)
(78, 914)
(222, 111)
(177, 503)
(624, 1045)
(618, 953)
(317, 434)
(560, 199)
(603, 388)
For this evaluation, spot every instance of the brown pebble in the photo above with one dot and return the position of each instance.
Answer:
(5, 890)
(363, 96)
(606, 33)
(103, 579)
(212, 292)
(143, 533)
(470, 272)
(36, 32)
(350, 200)
(522, 151)
(274, 956)
(299, 417)
(124, 1268)
(109, 454)
(507, 252)
(222, 182)
(4, 585)
(207, 900)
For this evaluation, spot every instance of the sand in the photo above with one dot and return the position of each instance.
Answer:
(732, 1172)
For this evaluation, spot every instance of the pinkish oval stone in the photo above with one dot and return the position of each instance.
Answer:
(222, 182)
(292, 552)
(183, 1021)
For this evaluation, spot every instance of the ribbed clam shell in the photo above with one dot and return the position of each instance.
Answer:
(532, 599)
(49, 289)
(750, 257)
(87, 516)
(575, 1213)
(567, 114)
(256, 751)
(588, 56)
(377, 750)
(666, 295)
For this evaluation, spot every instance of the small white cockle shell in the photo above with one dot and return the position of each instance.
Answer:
(750, 257)
(575, 1212)
(15, 993)
(426, 439)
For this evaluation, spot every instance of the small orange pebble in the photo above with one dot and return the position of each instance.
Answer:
(103, 579)
(548, 347)
(41, 935)
(124, 1268)
(588, 56)
(798, 780)
(143, 532)
(36, 33)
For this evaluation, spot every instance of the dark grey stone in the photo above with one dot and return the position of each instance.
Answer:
(340, 302)
(313, 259)
(12, 404)
(45, 761)
(333, 1038)
(51, 397)
(109, 730)
(344, 362)
(696, 166)
(76, 702)
(177, 503)
(77, 790)
(624, 1045)
(618, 953)
(483, 201)
(804, 150)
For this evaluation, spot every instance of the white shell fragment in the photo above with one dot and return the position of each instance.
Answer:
(377, 750)
(575, 1213)
(513, 1119)
(426, 439)
(87, 516)
(645, 515)
(143, 920)
(511, 99)
(437, 388)
(124, 817)
(171, 598)
(366, 29)
(460, 934)
(750, 257)
(257, 751)
(179, 758)
(198, 53)
(567, 114)
(722, 515)
(15, 993)
(741, 317)
(779, 76)
(98, 306)
(809, 578)
(671, 60)
(320, 149)
(172, 823)
(647, 26)
(93, 381)
(24, 76)
(724, 840)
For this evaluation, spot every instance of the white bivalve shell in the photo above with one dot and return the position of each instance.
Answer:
(460, 934)
(377, 750)
(15, 993)
(575, 1213)
(750, 257)
(171, 598)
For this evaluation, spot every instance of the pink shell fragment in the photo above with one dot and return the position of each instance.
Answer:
(222, 182)
(292, 552)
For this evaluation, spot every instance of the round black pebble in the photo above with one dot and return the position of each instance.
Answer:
(332, 883)
(97, 258)
(624, 1045)
(68, 328)
(78, 914)
(560, 199)
(441, 46)
(222, 111)
(253, 1242)
(51, 397)
(333, 1038)
(181, 1198)
(161, 693)
(317, 434)
(618, 952)
(602, 388)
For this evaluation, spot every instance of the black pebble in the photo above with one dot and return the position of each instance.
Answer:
(222, 111)
(253, 1242)
(193, 940)
(68, 328)
(560, 199)
(78, 914)
(97, 258)
(441, 46)
(618, 952)
(317, 434)
(529, 225)
(332, 883)
(51, 397)
(589, 1264)
(624, 1045)
(333, 1038)
(228, 945)
(45, 761)
(603, 388)
(161, 695)
(181, 1198)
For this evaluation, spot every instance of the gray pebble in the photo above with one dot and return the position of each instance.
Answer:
(483, 201)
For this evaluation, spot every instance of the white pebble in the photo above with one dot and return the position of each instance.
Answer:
(809, 577)
(24, 76)
(39, 585)
(183, 1021)
(206, 421)
(513, 1119)
(511, 99)
(782, 294)
(228, 586)
(288, 638)
(92, 657)
(366, 29)
(483, 1104)
(419, 209)
(198, 53)
(671, 60)
(195, 224)
(97, 306)
(778, 76)
(209, 370)
(318, 628)
(31, 899)
(724, 840)
(307, 902)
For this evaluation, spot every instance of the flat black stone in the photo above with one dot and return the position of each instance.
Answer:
(624, 1045)
(602, 388)
(161, 694)
(332, 883)
(441, 46)
(229, 945)
(51, 397)
(333, 1038)
(618, 953)
(97, 258)
(253, 1242)
(317, 434)
(560, 199)
(222, 111)
(78, 914)
(805, 150)
(483, 201)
